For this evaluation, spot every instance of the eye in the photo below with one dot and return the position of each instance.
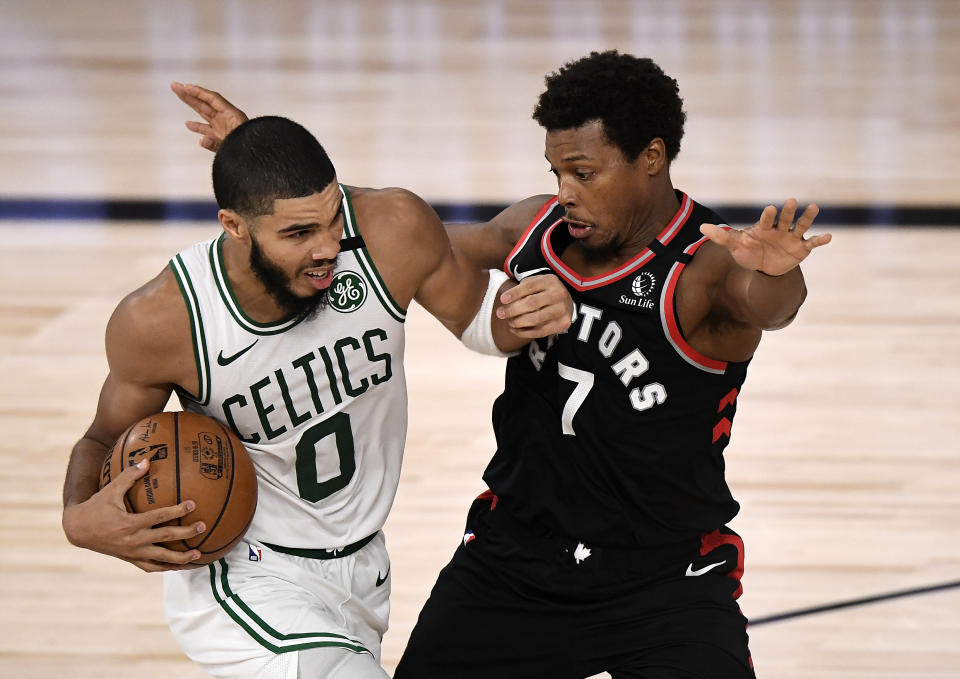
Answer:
(298, 235)
(584, 174)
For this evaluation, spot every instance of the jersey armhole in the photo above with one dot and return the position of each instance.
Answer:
(198, 337)
(365, 261)
(545, 210)
(670, 319)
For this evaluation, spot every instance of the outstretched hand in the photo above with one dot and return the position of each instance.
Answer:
(220, 115)
(775, 244)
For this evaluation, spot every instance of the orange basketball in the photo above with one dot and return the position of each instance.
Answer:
(192, 457)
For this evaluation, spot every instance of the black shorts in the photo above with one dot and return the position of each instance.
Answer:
(517, 602)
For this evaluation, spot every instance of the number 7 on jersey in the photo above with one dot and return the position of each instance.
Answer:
(584, 383)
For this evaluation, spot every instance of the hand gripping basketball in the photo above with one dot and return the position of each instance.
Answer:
(190, 456)
(105, 524)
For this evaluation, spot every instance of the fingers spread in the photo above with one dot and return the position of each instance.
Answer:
(806, 219)
(716, 234)
(817, 241)
(786, 214)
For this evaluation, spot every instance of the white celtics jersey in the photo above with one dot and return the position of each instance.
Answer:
(320, 404)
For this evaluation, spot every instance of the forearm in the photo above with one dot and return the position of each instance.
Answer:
(772, 302)
(83, 471)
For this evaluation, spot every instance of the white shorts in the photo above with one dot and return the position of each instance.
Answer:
(266, 614)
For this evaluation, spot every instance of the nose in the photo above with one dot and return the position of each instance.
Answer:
(324, 248)
(566, 195)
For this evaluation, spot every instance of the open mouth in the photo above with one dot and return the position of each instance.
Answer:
(320, 279)
(577, 228)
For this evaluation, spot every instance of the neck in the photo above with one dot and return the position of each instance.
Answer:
(645, 227)
(649, 225)
(250, 293)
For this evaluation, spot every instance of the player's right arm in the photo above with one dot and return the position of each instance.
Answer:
(148, 350)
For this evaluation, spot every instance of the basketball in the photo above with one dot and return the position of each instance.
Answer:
(192, 457)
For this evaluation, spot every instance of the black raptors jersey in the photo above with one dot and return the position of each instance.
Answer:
(613, 432)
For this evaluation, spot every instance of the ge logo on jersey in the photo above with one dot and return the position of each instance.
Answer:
(643, 284)
(347, 292)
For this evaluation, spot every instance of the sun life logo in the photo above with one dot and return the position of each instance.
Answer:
(347, 292)
(643, 284)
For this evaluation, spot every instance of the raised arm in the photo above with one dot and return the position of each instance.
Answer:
(219, 115)
(746, 281)
(145, 355)
(765, 289)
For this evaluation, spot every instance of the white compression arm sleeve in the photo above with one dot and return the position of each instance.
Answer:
(479, 334)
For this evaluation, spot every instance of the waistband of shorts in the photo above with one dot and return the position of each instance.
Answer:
(331, 553)
(542, 539)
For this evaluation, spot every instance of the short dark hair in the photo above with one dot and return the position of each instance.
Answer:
(268, 158)
(633, 98)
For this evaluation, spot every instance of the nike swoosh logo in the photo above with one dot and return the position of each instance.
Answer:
(382, 580)
(227, 360)
(532, 272)
(705, 569)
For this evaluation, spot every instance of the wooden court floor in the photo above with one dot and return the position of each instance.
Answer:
(844, 454)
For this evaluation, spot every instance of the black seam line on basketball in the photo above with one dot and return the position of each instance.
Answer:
(226, 500)
(799, 613)
(176, 457)
(353, 646)
(227, 360)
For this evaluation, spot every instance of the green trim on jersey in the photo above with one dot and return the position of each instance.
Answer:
(196, 331)
(264, 634)
(366, 262)
(230, 300)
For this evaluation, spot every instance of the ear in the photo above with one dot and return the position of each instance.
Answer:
(235, 225)
(654, 157)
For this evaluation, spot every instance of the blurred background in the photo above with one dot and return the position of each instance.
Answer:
(844, 453)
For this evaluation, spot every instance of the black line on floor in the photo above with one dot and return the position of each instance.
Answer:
(39, 208)
(801, 612)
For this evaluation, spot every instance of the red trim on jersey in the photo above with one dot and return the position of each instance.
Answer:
(679, 219)
(489, 495)
(549, 205)
(728, 400)
(710, 541)
(641, 258)
(720, 428)
(670, 318)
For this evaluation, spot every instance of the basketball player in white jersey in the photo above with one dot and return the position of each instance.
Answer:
(289, 328)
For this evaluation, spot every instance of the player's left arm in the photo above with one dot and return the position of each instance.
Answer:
(453, 289)
(761, 285)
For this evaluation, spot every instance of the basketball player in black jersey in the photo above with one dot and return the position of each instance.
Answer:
(601, 544)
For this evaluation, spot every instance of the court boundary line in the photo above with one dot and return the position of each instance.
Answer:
(851, 603)
(161, 210)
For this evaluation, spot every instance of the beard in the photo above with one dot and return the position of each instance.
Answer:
(278, 285)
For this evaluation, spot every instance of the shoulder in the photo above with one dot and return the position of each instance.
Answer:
(397, 216)
(149, 330)
(514, 221)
